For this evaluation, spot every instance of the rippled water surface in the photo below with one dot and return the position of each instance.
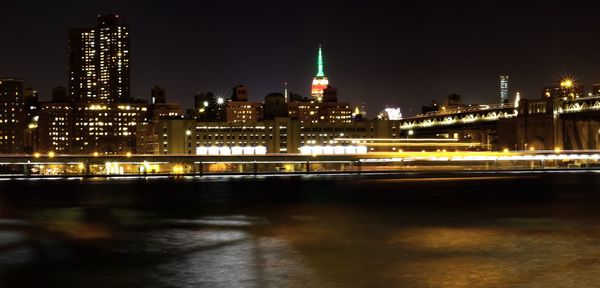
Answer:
(412, 230)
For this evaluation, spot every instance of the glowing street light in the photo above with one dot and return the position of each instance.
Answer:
(220, 100)
(36, 155)
(128, 154)
(51, 154)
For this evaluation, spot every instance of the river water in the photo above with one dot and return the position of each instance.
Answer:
(409, 230)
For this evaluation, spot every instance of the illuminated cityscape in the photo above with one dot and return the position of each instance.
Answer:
(299, 144)
(97, 116)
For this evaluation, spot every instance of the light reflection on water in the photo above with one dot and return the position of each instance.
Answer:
(334, 233)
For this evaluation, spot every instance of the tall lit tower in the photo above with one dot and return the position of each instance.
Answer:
(320, 81)
(99, 62)
(503, 90)
(12, 116)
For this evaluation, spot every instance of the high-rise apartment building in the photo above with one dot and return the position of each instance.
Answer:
(12, 116)
(105, 116)
(99, 62)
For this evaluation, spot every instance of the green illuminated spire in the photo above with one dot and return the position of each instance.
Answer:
(320, 72)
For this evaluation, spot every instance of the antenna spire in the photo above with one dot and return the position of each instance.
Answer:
(320, 71)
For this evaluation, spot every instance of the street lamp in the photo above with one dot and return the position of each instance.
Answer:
(186, 139)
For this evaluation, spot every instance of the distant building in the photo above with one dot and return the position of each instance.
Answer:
(330, 94)
(566, 89)
(158, 95)
(107, 128)
(335, 112)
(61, 95)
(31, 103)
(240, 94)
(105, 116)
(325, 112)
(56, 126)
(275, 106)
(240, 110)
(208, 107)
(244, 112)
(305, 111)
(320, 81)
(160, 108)
(453, 100)
(425, 109)
(503, 90)
(390, 114)
(99, 62)
(31, 106)
(596, 89)
(280, 135)
(12, 116)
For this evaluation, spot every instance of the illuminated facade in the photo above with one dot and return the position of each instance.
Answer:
(107, 128)
(280, 135)
(305, 112)
(325, 112)
(503, 90)
(239, 110)
(243, 112)
(105, 116)
(99, 62)
(566, 89)
(390, 114)
(320, 82)
(56, 127)
(12, 116)
(159, 108)
(185, 136)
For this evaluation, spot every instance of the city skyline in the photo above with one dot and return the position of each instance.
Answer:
(402, 66)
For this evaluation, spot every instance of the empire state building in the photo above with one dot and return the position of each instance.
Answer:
(320, 82)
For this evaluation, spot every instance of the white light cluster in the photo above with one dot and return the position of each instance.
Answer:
(235, 150)
(393, 113)
(333, 150)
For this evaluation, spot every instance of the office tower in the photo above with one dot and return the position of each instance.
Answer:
(503, 90)
(12, 116)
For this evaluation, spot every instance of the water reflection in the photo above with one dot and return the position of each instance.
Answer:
(303, 233)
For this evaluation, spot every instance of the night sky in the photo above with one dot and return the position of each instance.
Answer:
(379, 52)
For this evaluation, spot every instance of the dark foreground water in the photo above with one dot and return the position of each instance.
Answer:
(438, 230)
